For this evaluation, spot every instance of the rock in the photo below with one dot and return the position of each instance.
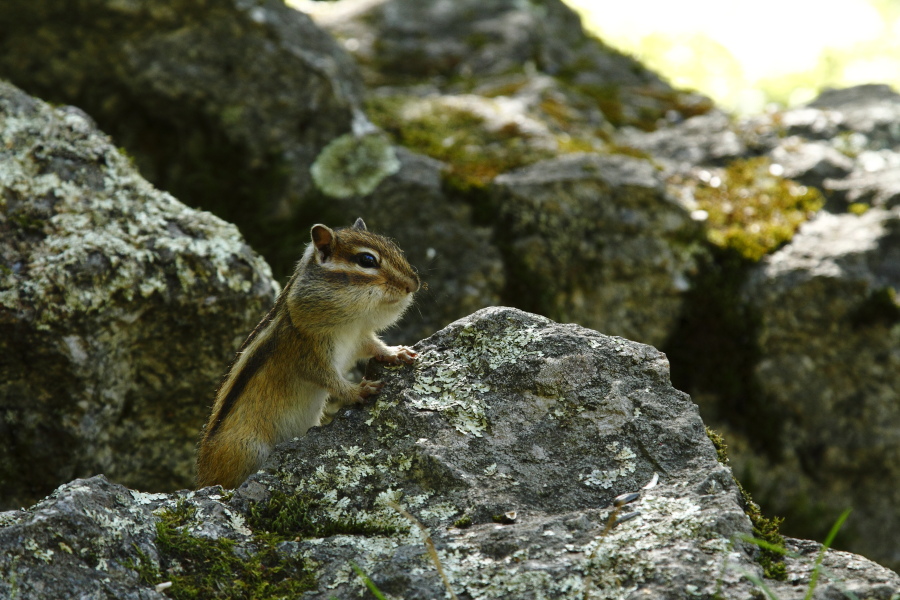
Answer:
(844, 143)
(864, 123)
(226, 104)
(508, 440)
(871, 110)
(829, 371)
(789, 345)
(422, 39)
(456, 46)
(811, 163)
(879, 188)
(596, 240)
(120, 309)
(78, 543)
(709, 139)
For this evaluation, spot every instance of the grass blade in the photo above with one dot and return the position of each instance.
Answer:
(369, 583)
(814, 578)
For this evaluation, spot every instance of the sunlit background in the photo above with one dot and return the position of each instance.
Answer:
(747, 54)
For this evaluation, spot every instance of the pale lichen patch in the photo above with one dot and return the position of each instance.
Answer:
(453, 382)
(606, 478)
(353, 165)
(107, 237)
(623, 558)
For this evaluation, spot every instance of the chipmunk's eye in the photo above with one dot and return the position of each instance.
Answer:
(366, 260)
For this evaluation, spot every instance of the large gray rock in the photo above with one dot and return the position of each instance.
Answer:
(597, 240)
(119, 309)
(508, 440)
(829, 373)
(226, 104)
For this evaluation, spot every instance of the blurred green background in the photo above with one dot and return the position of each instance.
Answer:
(748, 54)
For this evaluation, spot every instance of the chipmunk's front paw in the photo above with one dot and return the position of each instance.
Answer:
(368, 388)
(397, 355)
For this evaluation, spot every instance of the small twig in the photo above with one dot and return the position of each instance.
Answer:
(618, 503)
(429, 544)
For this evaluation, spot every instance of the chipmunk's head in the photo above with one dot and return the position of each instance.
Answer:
(367, 274)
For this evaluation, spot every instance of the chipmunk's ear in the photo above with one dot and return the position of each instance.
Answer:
(323, 240)
(360, 224)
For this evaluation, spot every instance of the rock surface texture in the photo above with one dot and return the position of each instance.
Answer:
(508, 440)
(520, 161)
(627, 254)
(226, 104)
(829, 337)
(119, 309)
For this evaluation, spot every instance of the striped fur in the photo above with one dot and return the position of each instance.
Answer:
(323, 321)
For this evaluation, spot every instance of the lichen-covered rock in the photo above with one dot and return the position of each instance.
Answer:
(596, 240)
(829, 375)
(510, 418)
(509, 440)
(78, 543)
(224, 103)
(844, 143)
(753, 182)
(119, 309)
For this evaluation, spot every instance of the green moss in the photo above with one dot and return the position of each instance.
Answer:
(764, 528)
(858, 208)
(299, 516)
(27, 223)
(719, 444)
(199, 567)
(752, 211)
(463, 522)
(473, 153)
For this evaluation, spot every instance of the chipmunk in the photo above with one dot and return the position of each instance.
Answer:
(349, 284)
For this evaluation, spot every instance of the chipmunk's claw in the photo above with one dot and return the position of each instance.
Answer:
(368, 388)
(397, 355)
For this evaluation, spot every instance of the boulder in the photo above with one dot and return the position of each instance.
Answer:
(226, 104)
(597, 240)
(829, 375)
(120, 309)
(490, 467)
